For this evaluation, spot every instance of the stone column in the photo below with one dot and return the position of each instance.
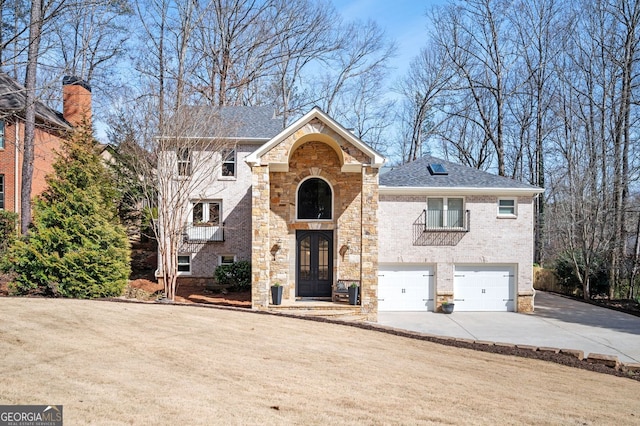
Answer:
(369, 259)
(260, 262)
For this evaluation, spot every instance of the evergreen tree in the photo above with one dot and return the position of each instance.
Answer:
(75, 247)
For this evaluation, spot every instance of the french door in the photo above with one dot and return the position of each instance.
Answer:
(314, 263)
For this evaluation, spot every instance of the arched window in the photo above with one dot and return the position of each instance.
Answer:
(314, 199)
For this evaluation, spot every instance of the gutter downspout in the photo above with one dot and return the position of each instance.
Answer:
(16, 193)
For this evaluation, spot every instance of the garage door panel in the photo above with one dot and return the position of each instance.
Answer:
(484, 288)
(405, 288)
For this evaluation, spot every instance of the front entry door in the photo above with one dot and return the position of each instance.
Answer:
(314, 263)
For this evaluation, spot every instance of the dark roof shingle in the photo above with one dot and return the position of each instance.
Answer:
(241, 122)
(13, 101)
(416, 174)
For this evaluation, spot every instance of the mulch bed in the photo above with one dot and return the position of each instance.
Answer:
(146, 289)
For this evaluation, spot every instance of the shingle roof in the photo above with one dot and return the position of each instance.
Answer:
(13, 100)
(417, 175)
(254, 122)
(242, 122)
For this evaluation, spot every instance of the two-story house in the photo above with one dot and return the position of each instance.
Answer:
(51, 128)
(308, 206)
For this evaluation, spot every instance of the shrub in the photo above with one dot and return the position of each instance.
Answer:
(75, 247)
(236, 276)
(8, 232)
(567, 278)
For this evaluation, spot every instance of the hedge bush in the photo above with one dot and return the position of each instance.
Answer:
(236, 276)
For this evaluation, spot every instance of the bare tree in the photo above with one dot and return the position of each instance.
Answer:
(473, 35)
(14, 27)
(363, 50)
(423, 90)
(189, 157)
(35, 32)
(174, 166)
(304, 36)
(235, 46)
(624, 55)
(89, 36)
(538, 34)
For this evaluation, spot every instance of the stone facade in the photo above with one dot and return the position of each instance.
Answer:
(315, 150)
(491, 240)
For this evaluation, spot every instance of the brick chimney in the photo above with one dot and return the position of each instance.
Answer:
(76, 100)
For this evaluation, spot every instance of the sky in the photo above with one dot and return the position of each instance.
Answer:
(403, 21)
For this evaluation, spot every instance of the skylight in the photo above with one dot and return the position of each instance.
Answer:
(437, 169)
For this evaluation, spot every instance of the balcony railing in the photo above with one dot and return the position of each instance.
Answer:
(440, 221)
(203, 233)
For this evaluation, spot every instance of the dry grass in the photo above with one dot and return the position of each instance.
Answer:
(120, 363)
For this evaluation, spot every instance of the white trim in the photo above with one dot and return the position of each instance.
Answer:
(254, 159)
(511, 268)
(297, 219)
(225, 255)
(190, 256)
(205, 210)
(223, 153)
(3, 186)
(416, 190)
(3, 134)
(445, 209)
(351, 168)
(252, 141)
(513, 215)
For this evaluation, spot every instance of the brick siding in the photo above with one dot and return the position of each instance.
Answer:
(491, 240)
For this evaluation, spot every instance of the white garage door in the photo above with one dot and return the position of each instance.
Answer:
(484, 288)
(405, 288)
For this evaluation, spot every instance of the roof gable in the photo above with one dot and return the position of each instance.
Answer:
(310, 123)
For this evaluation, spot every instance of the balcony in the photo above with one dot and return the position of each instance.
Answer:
(440, 227)
(202, 233)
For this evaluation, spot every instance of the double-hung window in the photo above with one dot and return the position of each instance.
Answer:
(445, 213)
(229, 163)
(1, 192)
(2, 123)
(184, 161)
(184, 264)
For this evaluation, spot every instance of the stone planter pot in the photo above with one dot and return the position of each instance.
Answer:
(276, 294)
(447, 308)
(353, 295)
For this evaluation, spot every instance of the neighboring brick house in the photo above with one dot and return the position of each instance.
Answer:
(308, 207)
(51, 127)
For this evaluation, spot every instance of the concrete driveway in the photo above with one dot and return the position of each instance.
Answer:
(557, 322)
